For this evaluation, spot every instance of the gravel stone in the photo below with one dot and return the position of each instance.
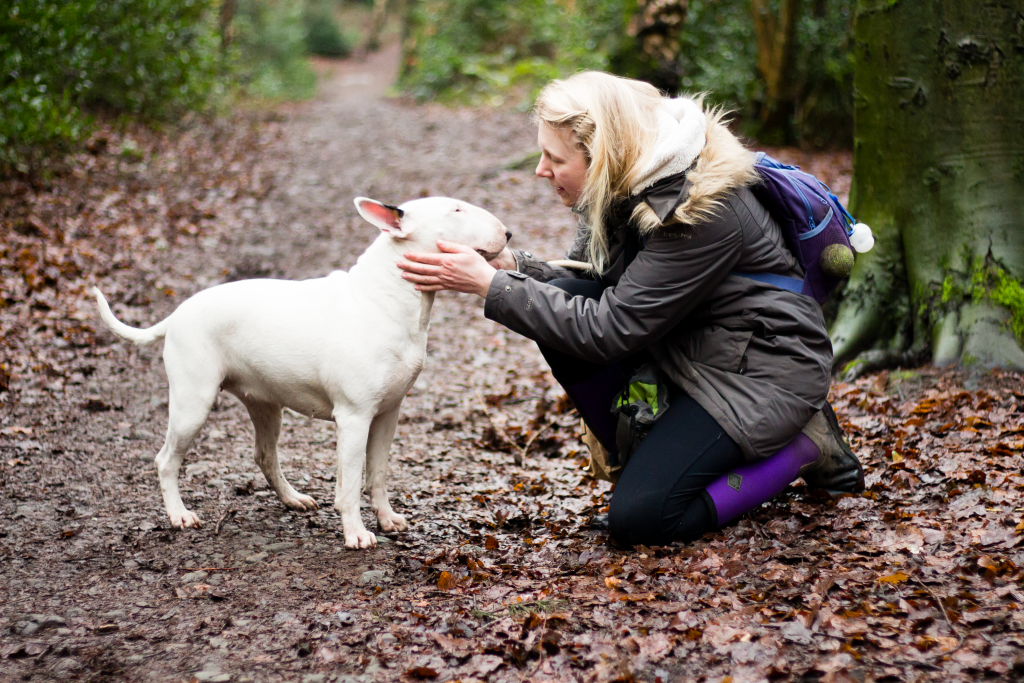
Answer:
(25, 628)
(45, 621)
(212, 677)
(278, 547)
(374, 577)
(113, 615)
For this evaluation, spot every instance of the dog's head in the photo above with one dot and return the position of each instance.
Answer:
(424, 221)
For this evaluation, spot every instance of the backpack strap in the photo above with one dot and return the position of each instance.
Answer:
(791, 284)
(636, 243)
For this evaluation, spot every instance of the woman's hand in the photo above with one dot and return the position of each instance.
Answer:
(457, 268)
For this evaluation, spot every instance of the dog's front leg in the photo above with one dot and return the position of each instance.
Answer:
(382, 433)
(353, 431)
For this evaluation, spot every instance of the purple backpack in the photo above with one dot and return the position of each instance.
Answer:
(816, 227)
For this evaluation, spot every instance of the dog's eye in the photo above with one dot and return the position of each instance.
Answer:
(458, 208)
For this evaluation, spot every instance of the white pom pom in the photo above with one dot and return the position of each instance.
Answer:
(861, 238)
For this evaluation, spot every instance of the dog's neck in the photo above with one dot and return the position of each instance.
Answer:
(378, 272)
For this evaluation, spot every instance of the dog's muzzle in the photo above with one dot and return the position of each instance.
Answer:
(488, 255)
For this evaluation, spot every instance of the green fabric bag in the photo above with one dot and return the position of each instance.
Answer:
(644, 399)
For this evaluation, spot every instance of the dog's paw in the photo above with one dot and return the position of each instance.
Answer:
(300, 502)
(184, 519)
(392, 521)
(360, 539)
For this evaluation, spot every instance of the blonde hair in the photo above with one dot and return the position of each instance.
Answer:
(614, 122)
(613, 119)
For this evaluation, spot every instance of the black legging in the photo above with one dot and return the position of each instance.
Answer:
(659, 497)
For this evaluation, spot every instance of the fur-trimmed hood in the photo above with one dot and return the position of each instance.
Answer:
(722, 166)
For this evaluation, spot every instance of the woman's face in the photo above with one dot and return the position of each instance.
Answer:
(561, 162)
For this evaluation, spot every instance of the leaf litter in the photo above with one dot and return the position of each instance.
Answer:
(499, 577)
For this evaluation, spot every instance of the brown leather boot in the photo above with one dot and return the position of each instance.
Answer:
(837, 469)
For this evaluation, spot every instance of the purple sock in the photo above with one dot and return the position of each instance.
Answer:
(750, 485)
(593, 399)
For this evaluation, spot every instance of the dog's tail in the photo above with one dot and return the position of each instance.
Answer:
(132, 334)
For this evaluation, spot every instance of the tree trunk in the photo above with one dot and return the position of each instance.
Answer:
(656, 25)
(775, 34)
(408, 11)
(224, 19)
(377, 19)
(939, 177)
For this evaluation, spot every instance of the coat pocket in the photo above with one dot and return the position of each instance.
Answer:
(717, 347)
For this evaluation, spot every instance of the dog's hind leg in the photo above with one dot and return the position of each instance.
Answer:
(353, 434)
(266, 417)
(187, 410)
(378, 448)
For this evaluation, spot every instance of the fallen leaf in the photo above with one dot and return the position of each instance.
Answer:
(16, 430)
(654, 647)
(421, 672)
(483, 665)
(796, 632)
(718, 635)
(459, 647)
(446, 581)
(898, 577)
(684, 621)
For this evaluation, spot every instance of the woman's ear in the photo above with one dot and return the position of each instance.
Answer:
(386, 217)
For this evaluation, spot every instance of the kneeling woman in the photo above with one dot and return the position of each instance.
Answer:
(675, 248)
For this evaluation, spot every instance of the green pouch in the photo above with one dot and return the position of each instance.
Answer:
(643, 400)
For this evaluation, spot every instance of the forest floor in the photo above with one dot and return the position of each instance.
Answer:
(499, 577)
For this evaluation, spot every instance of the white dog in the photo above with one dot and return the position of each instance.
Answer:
(346, 347)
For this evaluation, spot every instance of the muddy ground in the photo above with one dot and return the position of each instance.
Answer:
(499, 577)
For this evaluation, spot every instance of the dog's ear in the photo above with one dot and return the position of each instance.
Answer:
(386, 217)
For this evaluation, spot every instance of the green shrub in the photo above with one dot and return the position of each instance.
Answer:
(483, 51)
(324, 35)
(824, 74)
(718, 55)
(718, 52)
(151, 58)
(270, 47)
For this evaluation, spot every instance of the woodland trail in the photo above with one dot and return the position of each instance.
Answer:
(498, 578)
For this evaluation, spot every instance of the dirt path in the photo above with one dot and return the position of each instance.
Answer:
(498, 579)
(87, 542)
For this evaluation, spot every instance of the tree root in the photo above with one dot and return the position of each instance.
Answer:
(873, 361)
(854, 330)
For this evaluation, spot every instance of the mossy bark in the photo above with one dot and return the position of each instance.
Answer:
(775, 39)
(939, 177)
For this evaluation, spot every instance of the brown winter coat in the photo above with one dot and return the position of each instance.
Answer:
(756, 357)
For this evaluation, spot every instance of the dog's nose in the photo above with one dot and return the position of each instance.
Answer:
(508, 235)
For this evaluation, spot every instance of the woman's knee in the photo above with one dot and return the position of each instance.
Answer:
(634, 520)
(630, 523)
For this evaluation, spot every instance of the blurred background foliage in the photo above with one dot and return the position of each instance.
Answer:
(493, 51)
(784, 66)
(490, 51)
(155, 59)
(63, 63)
